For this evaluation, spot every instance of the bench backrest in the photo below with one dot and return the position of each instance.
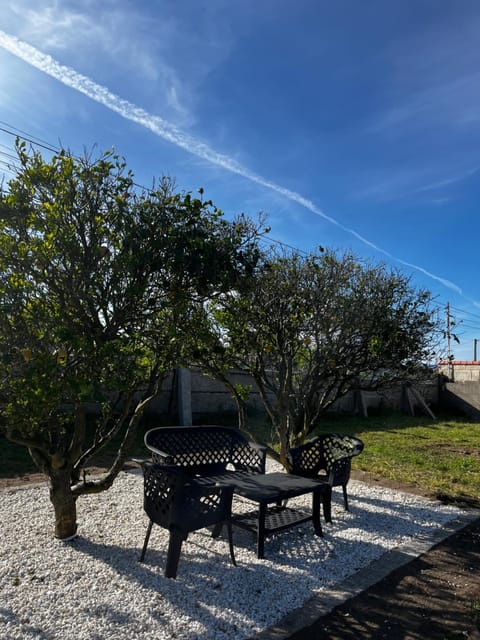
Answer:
(205, 449)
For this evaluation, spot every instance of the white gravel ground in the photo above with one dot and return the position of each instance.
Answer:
(94, 588)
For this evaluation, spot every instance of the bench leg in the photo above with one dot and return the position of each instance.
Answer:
(147, 537)
(173, 553)
(230, 543)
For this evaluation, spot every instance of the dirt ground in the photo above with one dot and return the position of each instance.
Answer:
(434, 597)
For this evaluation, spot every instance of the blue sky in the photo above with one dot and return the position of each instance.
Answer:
(353, 124)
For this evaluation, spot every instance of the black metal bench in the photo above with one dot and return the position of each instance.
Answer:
(205, 449)
(186, 484)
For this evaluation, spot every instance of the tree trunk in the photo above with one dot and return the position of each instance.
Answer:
(241, 413)
(64, 504)
(282, 429)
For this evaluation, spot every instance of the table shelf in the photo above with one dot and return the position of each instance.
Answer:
(276, 519)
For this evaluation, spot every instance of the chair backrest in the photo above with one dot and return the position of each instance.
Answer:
(329, 452)
(308, 457)
(205, 449)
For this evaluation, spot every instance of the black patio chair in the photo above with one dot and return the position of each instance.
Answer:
(327, 457)
(175, 501)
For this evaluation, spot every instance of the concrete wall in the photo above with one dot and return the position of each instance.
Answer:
(460, 370)
(208, 395)
(460, 387)
(462, 397)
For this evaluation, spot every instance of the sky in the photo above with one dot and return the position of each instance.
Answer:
(353, 125)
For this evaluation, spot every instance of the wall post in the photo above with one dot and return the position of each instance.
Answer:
(184, 397)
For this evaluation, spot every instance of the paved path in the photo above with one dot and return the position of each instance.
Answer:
(315, 621)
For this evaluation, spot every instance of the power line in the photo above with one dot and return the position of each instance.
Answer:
(470, 326)
(28, 137)
(5, 146)
(470, 313)
(12, 169)
(283, 244)
(38, 142)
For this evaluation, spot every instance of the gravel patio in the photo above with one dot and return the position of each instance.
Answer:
(94, 588)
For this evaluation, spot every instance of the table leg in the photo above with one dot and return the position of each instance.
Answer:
(262, 510)
(316, 511)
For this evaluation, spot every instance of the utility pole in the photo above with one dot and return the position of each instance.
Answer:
(449, 350)
(475, 342)
(448, 331)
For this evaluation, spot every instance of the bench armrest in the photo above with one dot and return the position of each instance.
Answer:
(159, 456)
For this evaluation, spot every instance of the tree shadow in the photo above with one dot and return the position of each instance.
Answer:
(12, 619)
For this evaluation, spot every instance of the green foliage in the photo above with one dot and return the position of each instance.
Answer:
(310, 329)
(98, 286)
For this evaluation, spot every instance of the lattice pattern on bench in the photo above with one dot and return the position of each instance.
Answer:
(205, 449)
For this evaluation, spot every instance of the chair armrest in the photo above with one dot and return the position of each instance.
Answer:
(139, 461)
(170, 472)
(339, 451)
(344, 446)
(357, 445)
(260, 448)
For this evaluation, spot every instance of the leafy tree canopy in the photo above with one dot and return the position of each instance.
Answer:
(312, 328)
(98, 280)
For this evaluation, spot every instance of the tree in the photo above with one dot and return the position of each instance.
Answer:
(97, 283)
(310, 329)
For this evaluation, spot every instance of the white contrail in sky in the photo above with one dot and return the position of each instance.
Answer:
(176, 136)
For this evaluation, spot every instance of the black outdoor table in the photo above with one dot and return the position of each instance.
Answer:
(273, 489)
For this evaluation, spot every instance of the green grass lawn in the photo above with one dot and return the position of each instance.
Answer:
(440, 457)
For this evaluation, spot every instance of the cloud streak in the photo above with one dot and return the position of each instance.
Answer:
(166, 130)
